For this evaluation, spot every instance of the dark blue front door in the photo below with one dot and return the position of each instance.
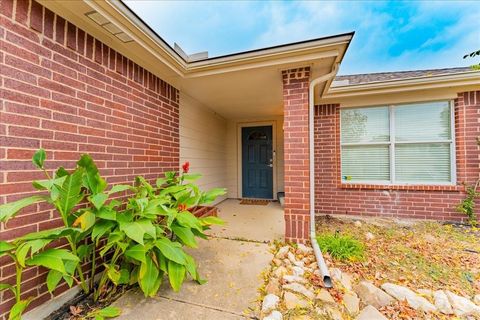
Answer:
(257, 162)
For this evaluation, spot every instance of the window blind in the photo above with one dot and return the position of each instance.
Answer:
(410, 143)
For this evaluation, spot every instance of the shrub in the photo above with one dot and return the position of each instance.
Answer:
(138, 240)
(340, 247)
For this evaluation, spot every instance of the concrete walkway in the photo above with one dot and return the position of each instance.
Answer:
(232, 267)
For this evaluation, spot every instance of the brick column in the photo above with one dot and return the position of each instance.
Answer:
(467, 130)
(295, 101)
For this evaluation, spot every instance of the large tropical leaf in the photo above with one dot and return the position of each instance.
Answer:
(186, 219)
(48, 184)
(18, 308)
(136, 230)
(171, 250)
(39, 158)
(70, 193)
(52, 259)
(101, 228)
(147, 277)
(136, 252)
(49, 234)
(85, 221)
(32, 246)
(212, 194)
(207, 221)
(92, 179)
(176, 274)
(120, 188)
(186, 235)
(191, 268)
(113, 274)
(109, 312)
(4, 286)
(98, 199)
(9, 210)
(5, 247)
(53, 279)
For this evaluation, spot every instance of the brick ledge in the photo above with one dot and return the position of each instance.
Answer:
(402, 187)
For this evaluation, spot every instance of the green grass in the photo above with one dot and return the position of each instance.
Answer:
(345, 248)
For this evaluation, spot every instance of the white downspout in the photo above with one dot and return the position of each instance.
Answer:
(311, 113)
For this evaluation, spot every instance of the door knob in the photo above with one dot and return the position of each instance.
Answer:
(271, 165)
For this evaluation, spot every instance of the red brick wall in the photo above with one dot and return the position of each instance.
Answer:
(66, 92)
(295, 99)
(422, 202)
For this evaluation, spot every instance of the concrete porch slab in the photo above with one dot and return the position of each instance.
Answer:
(250, 222)
(233, 269)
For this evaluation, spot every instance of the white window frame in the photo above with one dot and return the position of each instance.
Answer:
(392, 143)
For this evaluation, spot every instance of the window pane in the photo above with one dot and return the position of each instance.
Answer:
(365, 125)
(423, 122)
(365, 163)
(422, 162)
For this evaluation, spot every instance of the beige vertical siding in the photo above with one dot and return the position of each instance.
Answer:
(203, 137)
(233, 150)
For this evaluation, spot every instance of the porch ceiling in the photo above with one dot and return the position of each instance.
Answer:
(248, 93)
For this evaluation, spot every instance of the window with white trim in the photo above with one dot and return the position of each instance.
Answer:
(398, 144)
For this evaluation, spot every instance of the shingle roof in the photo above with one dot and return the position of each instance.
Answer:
(353, 79)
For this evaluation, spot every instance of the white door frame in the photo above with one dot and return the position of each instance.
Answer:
(240, 125)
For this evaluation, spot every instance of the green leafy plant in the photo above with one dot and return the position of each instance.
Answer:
(342, 247)
(147, 238)
(29, 250)
(138, 240)
(467, 205)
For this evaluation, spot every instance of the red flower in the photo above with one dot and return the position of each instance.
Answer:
(182, 207)
(186, 167)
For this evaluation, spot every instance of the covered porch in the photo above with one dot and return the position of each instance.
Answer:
(244, 126)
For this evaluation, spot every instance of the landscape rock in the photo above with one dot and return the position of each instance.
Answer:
(357, 224)
(277, 262)
(304, 249)
(370, 313)
(442, 303)
(425, 292)
(336, 273)
(291, 257)
(325, 296)
(282, 252)
(280, 272)
(293, 301)
(298, 271)
(334, 313)
(370, 294)
(291, 279)
(476, 299)
(298, 288)
(275, 315)
(273, 287)
(462, 306)
(369, 236)
(346, 281)
(270, 303)
(352, 303)
(415, 301)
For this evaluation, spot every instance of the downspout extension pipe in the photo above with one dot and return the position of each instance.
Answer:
(327, 280)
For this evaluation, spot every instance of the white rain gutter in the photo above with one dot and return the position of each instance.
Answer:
(327, 280)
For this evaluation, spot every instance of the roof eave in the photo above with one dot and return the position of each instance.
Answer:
(418, 83)
(299, 52)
